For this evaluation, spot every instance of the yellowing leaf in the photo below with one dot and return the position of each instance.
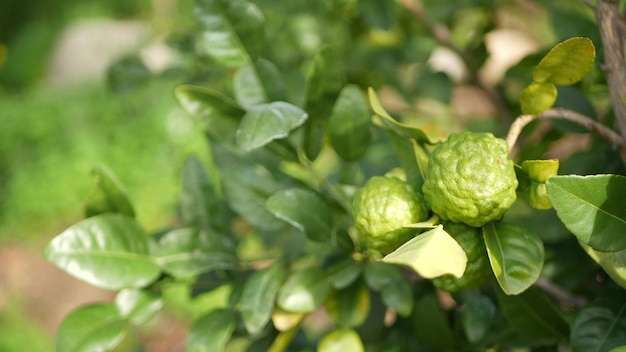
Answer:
(567, 63)
(431, 254)
(538, 97)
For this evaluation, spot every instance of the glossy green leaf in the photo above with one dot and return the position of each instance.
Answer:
(211, 332)
(538, 97)
(431, 254)
(304, 291)
(219, 114)
(256, 84)
(341, 340)
(304, 210)
(259, 293)
(109, 251)
(201, 206)
(324, 82)
(430, 322)
(390, 123)
(227, 25)
(181, 254)
(567, 63)
(344, 273)
(592, 208)
(477, 316)
(516, 255)
(398, 296)
(349, 124)
(97, 327)
(613, 263)
(600, 325)
(379, 275)
(108, 194)
(349, 307)
(534, 316)
(138, 306)
(265, 123)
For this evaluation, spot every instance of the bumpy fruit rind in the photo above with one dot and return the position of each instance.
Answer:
(478, 270)
(382, 207)
(470, 179)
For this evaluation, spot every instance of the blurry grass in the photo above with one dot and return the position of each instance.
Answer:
(50, 140)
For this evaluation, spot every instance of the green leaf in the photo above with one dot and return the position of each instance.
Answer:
(390, 123)
(341, 340)
(567, 63)
(304, 210)
(349, 307)
(399, 297)
(516, 255)
(613, 263)
(592, 208)
(211, 332)
(219, 114)
(181, 254)
(619, 349)
(109, 251)
(349, 124)
(258, 83)
(600, 325)
(138, 306)
(108, 195)
(379, 275)
(538, 97)
(97, 327)
(344, 273)
(201, 206)
(430, 322)
(265, 123)
(232, 30)
(257, 299)
(477, 316)
(431, 254)
(304, 291)
(534, 316)
(324, 83)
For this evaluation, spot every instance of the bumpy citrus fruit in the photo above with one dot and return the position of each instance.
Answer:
(470, 179)
(382, 207)
(478, 269)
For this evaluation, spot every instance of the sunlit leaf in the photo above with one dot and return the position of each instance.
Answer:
(304, 291)
(534, 316)
(259, 83)
(431, 254)
(538, 97)
(97, 327)
(265, 123)
(304, 210)
(211, 332)
(230, 29)
(108, 194)
(349, 124)
(109, 251)
(516, 255)
(138, 306)
(592, 208)
(259, 293)
(341, 340)
(600, 325)
(567, 63)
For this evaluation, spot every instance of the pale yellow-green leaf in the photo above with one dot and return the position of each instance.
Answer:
(431, 254)
(567, 63)
(538, 97)
(613, 263)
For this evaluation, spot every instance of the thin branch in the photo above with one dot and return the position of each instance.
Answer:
(560, 294)
(590, 4)
(606, 133)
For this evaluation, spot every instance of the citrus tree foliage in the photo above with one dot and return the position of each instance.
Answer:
(329, 222)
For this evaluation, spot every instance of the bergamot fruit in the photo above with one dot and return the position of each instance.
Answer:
(478, 270)
(470, 179)
(382, 207)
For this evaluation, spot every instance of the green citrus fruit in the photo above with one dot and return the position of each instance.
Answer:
(478, 269)
(382, 207)
(470, 179)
